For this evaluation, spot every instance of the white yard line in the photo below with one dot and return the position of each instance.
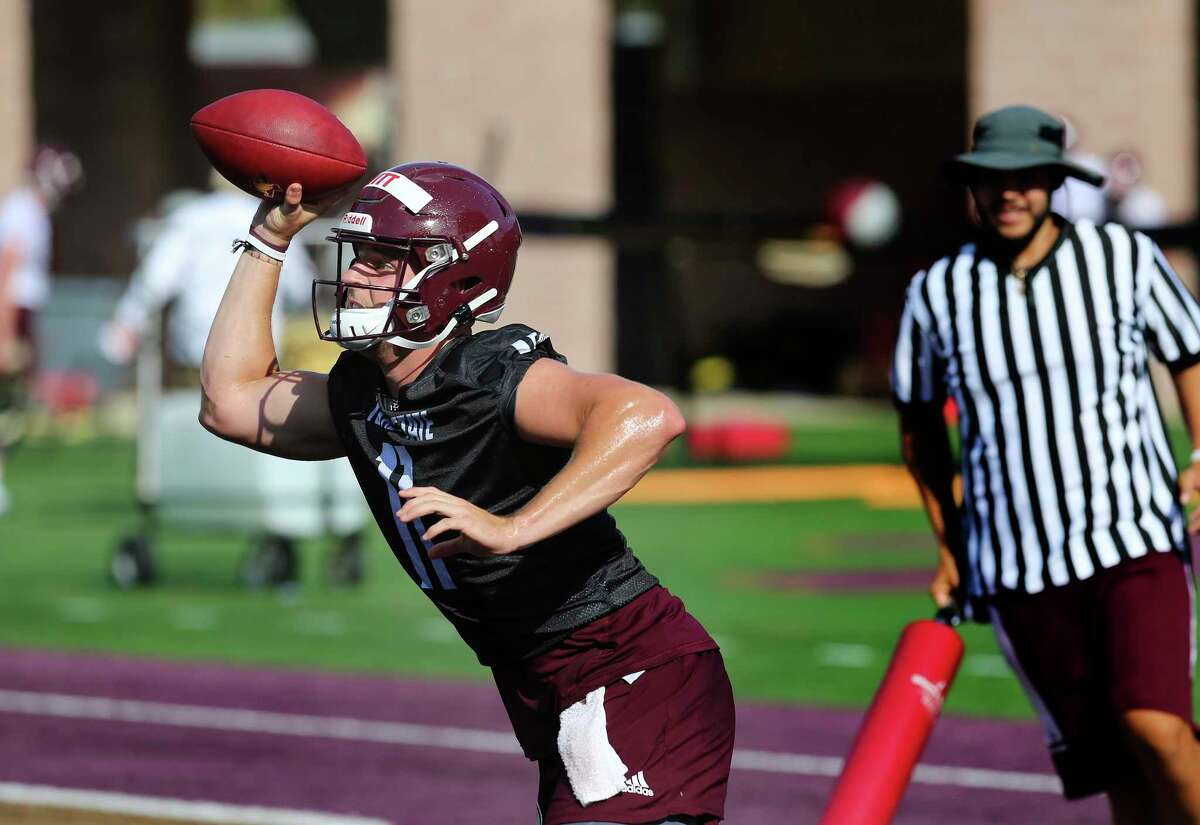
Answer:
(441, 736)
(837, 654)
(195, 617)
(320, 623)
(178, 809)
(438, 630)
(81, 610)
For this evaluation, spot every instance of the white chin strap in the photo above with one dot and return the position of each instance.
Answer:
(358, 321)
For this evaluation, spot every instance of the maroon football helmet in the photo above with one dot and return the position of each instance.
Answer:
(455, 240)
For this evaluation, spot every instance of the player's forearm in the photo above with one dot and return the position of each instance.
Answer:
(926, 447)
(619, 442)
(240, 348)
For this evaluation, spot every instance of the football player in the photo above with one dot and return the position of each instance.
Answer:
(52, 175)
(488, 464)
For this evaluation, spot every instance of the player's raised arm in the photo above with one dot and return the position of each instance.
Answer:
(246, 397)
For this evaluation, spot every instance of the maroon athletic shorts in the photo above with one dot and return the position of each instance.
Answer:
(673, 728)
(1090, 650)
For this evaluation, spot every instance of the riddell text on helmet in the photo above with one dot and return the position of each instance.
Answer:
(357, 221)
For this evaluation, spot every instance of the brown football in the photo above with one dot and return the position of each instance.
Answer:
(264, 139)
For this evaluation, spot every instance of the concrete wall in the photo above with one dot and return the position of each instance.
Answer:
(1123, 72)
(16, 91)
(520, 92)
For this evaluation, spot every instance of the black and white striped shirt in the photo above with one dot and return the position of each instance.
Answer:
(1065, 460)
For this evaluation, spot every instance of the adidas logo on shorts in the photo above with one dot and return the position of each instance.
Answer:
(637, 784)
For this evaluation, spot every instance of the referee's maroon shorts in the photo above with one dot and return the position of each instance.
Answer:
(1086, 652)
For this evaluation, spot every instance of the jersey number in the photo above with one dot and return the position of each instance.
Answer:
(395, 465)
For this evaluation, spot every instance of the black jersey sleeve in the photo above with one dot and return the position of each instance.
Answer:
(509, 353)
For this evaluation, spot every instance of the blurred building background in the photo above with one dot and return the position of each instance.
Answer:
(673, 160)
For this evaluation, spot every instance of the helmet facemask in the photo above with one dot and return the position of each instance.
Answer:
(364, 309)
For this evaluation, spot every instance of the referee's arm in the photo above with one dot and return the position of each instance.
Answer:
(1187, 387)
(926, 448)
(1172, 319)
(919, 394)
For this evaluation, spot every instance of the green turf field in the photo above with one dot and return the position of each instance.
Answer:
(735, 565)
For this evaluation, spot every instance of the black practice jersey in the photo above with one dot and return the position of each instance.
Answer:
(453, 428)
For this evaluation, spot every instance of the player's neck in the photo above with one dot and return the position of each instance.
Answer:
(403, 366)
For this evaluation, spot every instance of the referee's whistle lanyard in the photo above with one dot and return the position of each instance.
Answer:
(1021, 273)
(1022, 276)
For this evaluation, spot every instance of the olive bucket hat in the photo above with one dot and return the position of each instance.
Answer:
(1017, 137)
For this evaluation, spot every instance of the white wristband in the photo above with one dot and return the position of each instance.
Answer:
(1195, 456)
(266, 248)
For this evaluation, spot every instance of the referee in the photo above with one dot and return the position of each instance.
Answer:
(1070, 536)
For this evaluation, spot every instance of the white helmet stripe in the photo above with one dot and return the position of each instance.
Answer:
(474, 241)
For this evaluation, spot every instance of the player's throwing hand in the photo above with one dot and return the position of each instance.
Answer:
(279, 222)
(480, 533)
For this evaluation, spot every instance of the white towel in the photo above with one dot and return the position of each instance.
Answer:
(593, 767)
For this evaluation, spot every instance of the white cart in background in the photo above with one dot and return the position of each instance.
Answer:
(190, 479)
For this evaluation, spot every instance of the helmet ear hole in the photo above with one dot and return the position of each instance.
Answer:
(467, 284)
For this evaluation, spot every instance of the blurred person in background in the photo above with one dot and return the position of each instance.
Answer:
(1079, 199)
(1070, 537)
(1130, 201)
(175, 277)
(1123, 197)
(174, 272)
(25, 253)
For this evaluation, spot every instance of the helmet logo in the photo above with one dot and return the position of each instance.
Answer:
(357, 221)
(402, 189)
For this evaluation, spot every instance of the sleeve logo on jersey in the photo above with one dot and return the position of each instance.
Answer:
(357, 222)
(529, 342)
(402, 189)
(414, 425)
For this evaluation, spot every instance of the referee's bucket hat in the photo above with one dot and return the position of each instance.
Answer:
(1017, 137)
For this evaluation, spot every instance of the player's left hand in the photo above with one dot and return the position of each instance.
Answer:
(480, 533)
(1189, 485)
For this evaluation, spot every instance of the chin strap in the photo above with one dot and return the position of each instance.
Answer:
(463, 316)
(356, 322)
